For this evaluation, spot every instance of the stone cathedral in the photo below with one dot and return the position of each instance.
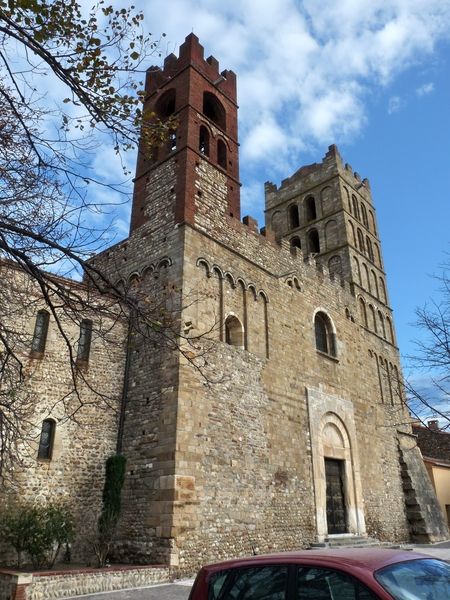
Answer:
(293, 431)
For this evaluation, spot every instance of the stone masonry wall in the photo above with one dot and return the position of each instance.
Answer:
(84, 404)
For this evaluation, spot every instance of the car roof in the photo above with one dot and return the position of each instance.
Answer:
(364, 558)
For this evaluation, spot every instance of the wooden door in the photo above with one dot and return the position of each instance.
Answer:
(336, 513)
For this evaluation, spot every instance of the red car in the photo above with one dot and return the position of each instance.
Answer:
(352, 574)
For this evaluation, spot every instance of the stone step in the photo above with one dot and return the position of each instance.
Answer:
(347, 542)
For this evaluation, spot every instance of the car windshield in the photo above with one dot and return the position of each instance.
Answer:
(423, 579)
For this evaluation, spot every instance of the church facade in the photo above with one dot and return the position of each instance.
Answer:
(281, 420)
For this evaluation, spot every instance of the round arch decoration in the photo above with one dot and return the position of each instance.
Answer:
(333, 440)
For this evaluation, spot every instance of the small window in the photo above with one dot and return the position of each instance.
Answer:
(294, 220)
(355, 207)
(369, 249)
(221, 154)
(295, 242)
(234, 332)
(47, 438)
(84, 341)
(310, 208)
(361, 245)
(364, 216)
(40, 332)
(313, 241)
(173, 141)
(203, 142)
(325, 341)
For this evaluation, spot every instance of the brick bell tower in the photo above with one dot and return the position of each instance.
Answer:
(203, 102)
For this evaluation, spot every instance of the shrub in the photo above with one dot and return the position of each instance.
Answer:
(38, 530)
(112, 505)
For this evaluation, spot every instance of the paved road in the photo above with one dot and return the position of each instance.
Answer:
(169, 591)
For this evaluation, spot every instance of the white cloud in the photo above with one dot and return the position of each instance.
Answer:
(395, 104)
(305, 69)
(425, 89)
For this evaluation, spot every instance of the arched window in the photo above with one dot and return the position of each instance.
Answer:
(373, 323)
(294, 220)
(213, 109)
(363, 312)
(84, 341)
(40, 331)
(366, 284)
(295, 242)
(203, 141)
(361, 246)
(313, 241)
(358, 270)
(323, 331)
(374, 284)
(352, 227)
(369, 249)
(382, 329)
(310, 208)
(378, 254)
(382, 291)
(372, 222)
(355, 207)
(390, 330)
(165, 106)
(364, 216)
(47, 438)
(221, 154)
(234, 332)
(347, 198)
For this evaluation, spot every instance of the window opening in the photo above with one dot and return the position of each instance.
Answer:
(46, 440)
(234, 332)
(221, 154)
(84, 341)
(324, 334)
(313, 241)
(203, 143)
(364, 216)
(173, 141)
(40, 331)
(295, 242)
(355, 207)
(165, 106)
(213, 109)
(310, 204)
(294, 220)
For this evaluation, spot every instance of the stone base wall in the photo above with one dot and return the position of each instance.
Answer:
(55, 585)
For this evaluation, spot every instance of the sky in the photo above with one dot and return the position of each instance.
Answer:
(371, 76)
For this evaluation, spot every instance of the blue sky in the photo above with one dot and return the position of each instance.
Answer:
(371, 76)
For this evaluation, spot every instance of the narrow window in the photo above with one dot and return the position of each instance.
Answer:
(234, 332)
(369, 249)
(363, 312)
(294, 220)
(324, 334)
(364, 216)
(313, 241)
(40, 331)
(173, 141)
(310, 206)
(295, 242)
(372, 222)
(361, 241)
(355, 207)
(46, 440)
(203, 143)
(84, 342)
(221, 154)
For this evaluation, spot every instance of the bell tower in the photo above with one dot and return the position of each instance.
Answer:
(202, 101)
